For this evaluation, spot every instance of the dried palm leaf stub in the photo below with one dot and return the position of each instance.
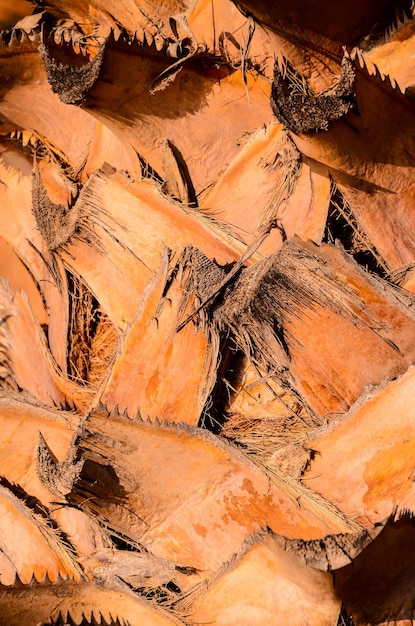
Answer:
(18, 454)
(373, 170)
(151, 372)
(217, 497)
(215, 112)
(20, 230)
(32, 545)
(375, 439)
(75, 603)
(26, 95)
(123, 248)
(296, 305)
(31, 363)
(263, 583)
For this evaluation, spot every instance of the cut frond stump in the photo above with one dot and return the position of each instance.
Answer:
(217, 497)
(275, 308)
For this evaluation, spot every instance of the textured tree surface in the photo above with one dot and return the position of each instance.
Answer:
(207, 313)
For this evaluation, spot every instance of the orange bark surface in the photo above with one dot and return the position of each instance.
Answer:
(158, 372)
(31, 547)
(335, 354)
(20, 230)
(21, 423)
(216, 496)
(374, 441)
(266, 581)
(31, 362)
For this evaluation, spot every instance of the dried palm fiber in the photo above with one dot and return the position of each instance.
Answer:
(404, 277)
(276, 444)
(254, 397)
(268, 420)
(273, 307)
(217, 497)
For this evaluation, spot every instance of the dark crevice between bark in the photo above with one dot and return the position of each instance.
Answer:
(161, 594)
(121, 542)
(342, 226)
(228, 381)
(84, 317)
(177, 180)
(98, 481)
(384, 30)
(344, 618)
(377, 587)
